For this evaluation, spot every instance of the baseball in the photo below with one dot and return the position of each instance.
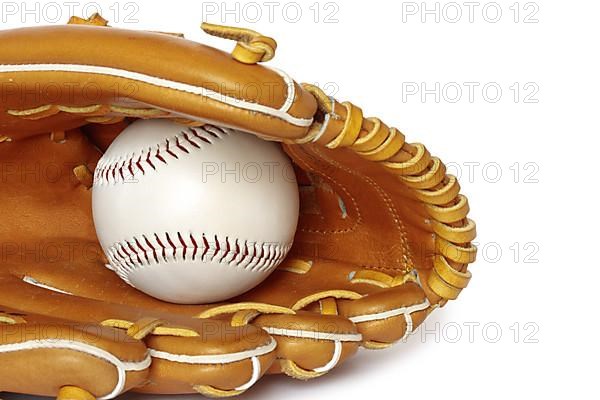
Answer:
(193, 215)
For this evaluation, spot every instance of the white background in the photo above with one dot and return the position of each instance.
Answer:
(535, 280)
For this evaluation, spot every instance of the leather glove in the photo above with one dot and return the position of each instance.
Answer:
(383, 237)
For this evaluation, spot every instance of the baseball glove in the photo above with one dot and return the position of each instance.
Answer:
(383, 237)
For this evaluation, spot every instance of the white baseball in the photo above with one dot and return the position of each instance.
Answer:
(194, 215)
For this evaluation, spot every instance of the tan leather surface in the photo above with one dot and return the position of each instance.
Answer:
(307, 321)
(310, 354)
(21, 370)
(405, 295)
(54, 329)
(377, 214)
(15, 294)
(165, 56)
(375, 233)
(182, 378)
(250, 337)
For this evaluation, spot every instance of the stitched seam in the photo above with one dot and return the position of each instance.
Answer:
(315, 331)
(308, 167)
(147, 250)
(127, 168)
(50, 347)
(257, 351)
(107, 357)
(408, 258)
(250, 106)
(406, 307)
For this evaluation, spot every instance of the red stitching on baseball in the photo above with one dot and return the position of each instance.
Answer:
(109, 171)
(238, 254)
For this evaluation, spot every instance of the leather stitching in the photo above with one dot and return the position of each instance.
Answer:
(321, 171)
(408, 259)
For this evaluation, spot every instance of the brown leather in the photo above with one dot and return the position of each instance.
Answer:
(21, 370)
(383, 238)
(179, 376)
(165, 56)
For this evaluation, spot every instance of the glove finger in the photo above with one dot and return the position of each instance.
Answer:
(314, 344)
(88, 359)
(188, 355)
(384, 308)
(308, 344)
(332, 308)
